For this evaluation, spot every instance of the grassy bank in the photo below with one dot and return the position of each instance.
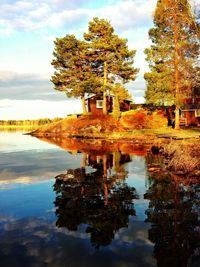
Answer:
(108, 127)
(177, 159)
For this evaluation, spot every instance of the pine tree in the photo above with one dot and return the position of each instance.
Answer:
(73, 73)
(196, 83)
(120, 93)
(109, 55)
(171, 57)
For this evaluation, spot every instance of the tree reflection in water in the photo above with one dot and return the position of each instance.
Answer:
(100, 199)
(174, 214)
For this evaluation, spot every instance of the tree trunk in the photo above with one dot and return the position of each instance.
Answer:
(177, 118)
(105, 194)
(104, 92)
(116, 107)
(176, 74)
(83, 104)
(105, 165)
(84, 160)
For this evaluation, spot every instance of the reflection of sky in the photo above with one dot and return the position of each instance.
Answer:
(15, 141)
(42, 244)
(29, 201)
(28, 235)
(31, 161)
(137, 178)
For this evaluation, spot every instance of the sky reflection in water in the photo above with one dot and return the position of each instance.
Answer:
(101, 210)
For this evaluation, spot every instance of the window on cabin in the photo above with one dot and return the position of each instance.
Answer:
(99, 103)
(183, 114)
(197, 113)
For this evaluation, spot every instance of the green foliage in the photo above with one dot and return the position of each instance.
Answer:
(121, 92)
(83, 67)
(196, 81)
(105, 46)
(73, 74)
(174, 50)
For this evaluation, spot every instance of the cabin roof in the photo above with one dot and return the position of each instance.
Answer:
(95, 95)
(112, 95)
(190, 107)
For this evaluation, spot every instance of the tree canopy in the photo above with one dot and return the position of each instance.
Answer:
(121, 92)
(109, 55)
(73, 72)
(173, 53)
(90, 65)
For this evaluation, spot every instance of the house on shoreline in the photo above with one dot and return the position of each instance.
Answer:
(190, 110)
(94, 104)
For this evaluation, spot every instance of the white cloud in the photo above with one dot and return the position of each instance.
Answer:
(26, 15)
(67, 17)
(40, 12)
(127, 14)
(14, 85)
(7, 76)
(34, 109)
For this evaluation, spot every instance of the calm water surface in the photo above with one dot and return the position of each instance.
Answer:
(72, 203)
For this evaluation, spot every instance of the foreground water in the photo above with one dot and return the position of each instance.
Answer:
(72, 203)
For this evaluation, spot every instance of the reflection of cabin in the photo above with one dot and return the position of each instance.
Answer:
(190, 110)
(95, 104)
(111, 159)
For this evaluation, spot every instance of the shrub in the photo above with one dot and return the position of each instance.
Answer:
(103, 123)
(159, 120)
(143, 119)
(137, 119)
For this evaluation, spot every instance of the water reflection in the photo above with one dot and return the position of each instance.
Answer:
(100, 199)
(174, 216)
(96, 146)
(103, 198)
(104, 201)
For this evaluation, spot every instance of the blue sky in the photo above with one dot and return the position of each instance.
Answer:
(27, 31)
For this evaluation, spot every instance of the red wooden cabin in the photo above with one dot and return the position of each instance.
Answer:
(190, 110)
(95, 104)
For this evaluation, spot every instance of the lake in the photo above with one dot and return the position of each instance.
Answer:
(67, 202)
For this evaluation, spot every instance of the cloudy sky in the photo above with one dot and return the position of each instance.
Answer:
(27, 31)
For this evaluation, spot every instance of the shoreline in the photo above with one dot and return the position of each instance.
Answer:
(179, 154)
(146, 135)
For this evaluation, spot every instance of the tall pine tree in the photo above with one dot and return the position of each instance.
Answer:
(171, 57)
(109, 55)
(73, 73)
(120, 93)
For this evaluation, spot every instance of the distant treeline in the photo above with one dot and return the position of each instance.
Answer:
(37, 122)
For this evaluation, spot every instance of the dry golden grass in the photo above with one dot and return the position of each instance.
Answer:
(111, 128)
(183, 156)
